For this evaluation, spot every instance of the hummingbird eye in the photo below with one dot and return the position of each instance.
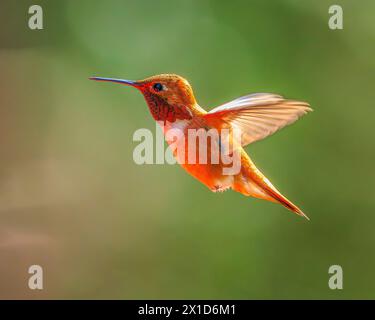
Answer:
(158, 87)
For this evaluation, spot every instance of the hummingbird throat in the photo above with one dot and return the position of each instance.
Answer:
(161, 110)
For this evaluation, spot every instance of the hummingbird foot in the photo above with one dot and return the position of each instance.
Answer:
(220, 188)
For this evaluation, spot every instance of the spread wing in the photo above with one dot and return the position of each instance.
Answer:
(257, 115)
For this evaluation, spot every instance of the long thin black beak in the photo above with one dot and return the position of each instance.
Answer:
(121, 81)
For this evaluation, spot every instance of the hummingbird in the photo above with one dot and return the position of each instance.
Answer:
(170, 99)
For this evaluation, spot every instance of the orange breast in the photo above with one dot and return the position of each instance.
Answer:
(199, 153)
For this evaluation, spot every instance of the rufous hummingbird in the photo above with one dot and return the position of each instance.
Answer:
(172, 104)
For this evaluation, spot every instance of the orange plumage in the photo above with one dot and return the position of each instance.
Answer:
(172, 104)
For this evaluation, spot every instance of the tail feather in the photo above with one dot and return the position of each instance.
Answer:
(252, 182)
(284, 201)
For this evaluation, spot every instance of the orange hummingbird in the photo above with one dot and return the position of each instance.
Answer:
(171, 101)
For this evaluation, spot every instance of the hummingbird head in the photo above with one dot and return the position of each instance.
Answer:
(168, 96)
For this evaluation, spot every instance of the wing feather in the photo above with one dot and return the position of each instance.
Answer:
(257, 115)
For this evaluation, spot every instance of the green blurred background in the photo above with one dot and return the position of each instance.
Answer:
(73, 201)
